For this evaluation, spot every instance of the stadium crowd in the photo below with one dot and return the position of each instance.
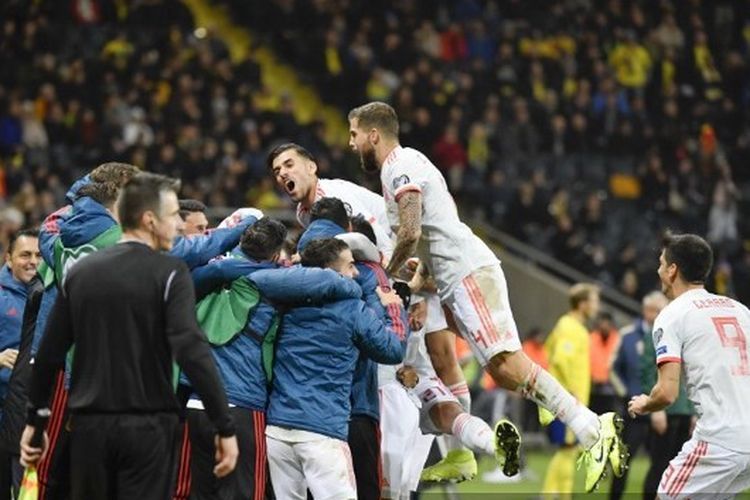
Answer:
(550, 121)
(582, 128)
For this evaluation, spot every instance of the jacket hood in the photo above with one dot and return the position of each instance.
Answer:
(87, 220)
(318, 230)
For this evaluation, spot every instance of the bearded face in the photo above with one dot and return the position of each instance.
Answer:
(367, 159)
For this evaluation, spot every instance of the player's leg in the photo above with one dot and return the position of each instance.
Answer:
(54, 469)
(560, 477)
(402, 446)
(442, 414)
(481, 308)
(327, 466)
(440, 341)
(440, 345)
(285, 467)
(364, 443)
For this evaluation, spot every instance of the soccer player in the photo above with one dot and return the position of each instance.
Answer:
(567, 348)
(294, 170)
(703, 336)
(193, 213)
(325, 327)
(469, 280)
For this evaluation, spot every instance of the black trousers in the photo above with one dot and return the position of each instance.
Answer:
(250, 479)
(364, 443)
(635, 435)
(11, 473)
(122, 456)
(663, 448)
(54, 470)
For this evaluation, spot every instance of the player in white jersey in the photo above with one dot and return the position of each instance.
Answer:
(294, 170)
(702, 335)
(469, 280)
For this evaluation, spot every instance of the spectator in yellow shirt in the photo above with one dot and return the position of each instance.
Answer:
(567, 349)
(631, 62)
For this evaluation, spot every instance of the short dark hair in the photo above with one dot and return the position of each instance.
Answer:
(29, 232)
(143, 193)
(581, 292)
(322, 253)
(263, 239)
(690, 253)
(331, 209)
(362, 226)
(115, 172)
(189, 206)
(275, 152)
(377, 115)
(104, 193)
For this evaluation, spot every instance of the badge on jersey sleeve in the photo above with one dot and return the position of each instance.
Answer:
(401, 180)
(658, 334)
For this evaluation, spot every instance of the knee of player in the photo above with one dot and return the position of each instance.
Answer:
(506, 372)
(443, 415)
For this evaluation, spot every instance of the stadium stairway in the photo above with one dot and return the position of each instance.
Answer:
(279, 80)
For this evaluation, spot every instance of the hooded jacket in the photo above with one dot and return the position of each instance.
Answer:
(239, 358)
(364, 398)
(13, 295)
(324, 328)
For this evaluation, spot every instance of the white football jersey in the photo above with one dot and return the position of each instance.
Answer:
(448, 246)
(362, 202)
(707, 333)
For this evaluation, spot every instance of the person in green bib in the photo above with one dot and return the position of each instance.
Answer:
(240, 327)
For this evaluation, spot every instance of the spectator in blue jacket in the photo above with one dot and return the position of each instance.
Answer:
(237, 351)
(324, 329)
(21, 261)
(626, 377)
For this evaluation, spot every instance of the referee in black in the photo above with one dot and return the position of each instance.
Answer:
(130, 311)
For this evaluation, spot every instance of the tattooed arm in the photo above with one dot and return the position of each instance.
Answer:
(409, 230)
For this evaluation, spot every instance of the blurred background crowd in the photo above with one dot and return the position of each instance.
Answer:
(581, 127)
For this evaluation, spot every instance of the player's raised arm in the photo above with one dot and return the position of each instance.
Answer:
(409, 231)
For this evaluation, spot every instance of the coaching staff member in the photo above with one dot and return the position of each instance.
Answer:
(130, 311)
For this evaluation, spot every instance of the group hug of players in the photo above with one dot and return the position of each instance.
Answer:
(336, 354)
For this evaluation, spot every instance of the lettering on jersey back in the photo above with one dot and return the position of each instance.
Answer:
(713, 302)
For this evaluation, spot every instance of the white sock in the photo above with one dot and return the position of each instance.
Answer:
(474, 433)
(461, 391)
(544, 390)
(452, 443)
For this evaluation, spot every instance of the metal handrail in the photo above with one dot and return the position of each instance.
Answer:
(544, 261)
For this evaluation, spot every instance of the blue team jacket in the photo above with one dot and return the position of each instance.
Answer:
(239, 361)
(13, 295)
(324, 327)
(86, 219)
(365, 399)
